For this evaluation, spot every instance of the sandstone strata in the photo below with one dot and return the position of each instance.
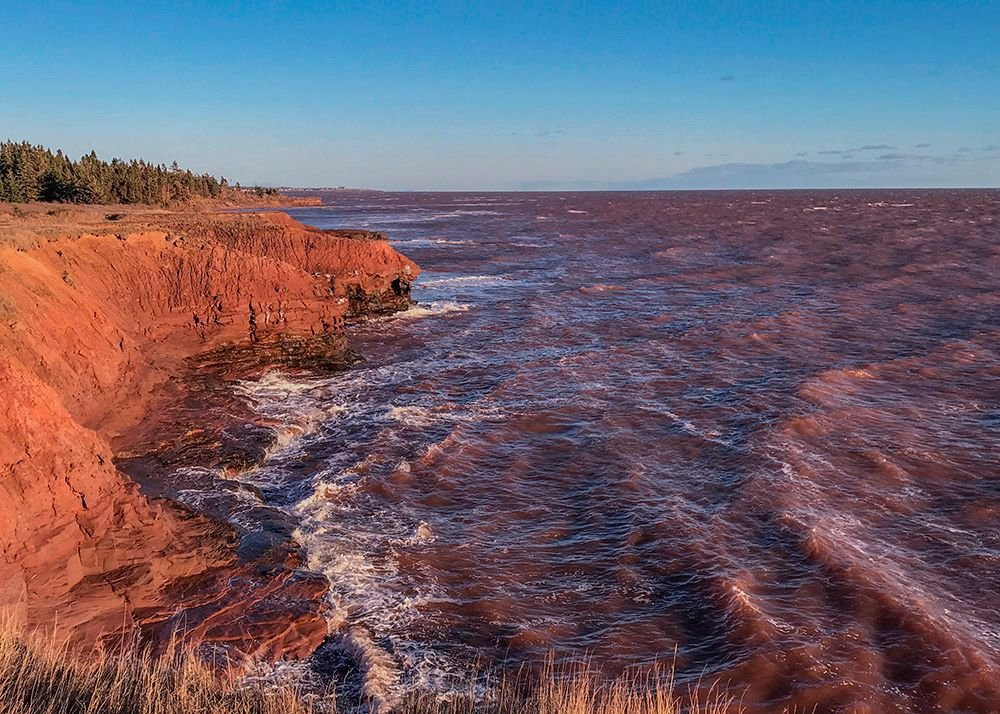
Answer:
(96, 319)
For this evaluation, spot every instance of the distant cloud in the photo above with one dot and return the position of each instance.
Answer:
(802, 153)
(992, 147)
(921, 158)
(727, 78)
(964, 150)
(866, 147)
(746, 175)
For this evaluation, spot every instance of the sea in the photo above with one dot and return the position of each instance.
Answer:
(753, 436)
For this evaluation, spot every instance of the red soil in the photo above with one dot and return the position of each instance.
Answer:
(92, 324)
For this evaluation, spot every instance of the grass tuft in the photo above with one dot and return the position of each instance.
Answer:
(39, 675)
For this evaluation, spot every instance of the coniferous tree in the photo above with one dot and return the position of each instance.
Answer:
(34, 173)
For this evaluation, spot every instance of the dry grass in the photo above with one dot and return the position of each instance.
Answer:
(578, 692)
(39, 676)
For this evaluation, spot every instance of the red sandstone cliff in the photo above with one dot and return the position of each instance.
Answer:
(92, 323)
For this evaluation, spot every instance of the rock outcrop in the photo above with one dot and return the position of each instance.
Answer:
(93, 323)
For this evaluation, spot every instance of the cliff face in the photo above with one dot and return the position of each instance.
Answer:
(92, 326)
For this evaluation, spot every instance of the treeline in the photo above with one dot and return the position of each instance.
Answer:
(35, 173)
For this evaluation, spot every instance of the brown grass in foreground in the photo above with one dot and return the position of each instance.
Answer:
(39, 676)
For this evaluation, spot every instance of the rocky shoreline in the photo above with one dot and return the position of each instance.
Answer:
(120, 338)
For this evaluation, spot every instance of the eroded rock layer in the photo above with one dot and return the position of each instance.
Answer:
(95, 323)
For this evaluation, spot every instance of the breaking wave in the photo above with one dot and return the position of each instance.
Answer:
(431, 309)
(466, 280)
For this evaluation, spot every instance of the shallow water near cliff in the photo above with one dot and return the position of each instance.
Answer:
(755, 432)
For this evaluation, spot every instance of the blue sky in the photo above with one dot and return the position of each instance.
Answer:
(505, 95)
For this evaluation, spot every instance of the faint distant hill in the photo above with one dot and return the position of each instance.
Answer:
(305, 192)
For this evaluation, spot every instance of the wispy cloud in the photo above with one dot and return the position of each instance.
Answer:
(857, 149)
(931, 158)
(747, 175)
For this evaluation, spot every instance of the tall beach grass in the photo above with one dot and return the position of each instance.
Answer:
(40, 675)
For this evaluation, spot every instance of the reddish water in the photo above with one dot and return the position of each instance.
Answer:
(760, 429)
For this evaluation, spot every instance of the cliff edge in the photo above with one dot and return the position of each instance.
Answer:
(98, 314)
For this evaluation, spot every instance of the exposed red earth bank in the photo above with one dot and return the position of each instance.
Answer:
(97, 317)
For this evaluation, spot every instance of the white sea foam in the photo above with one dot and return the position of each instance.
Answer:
(379, 674)
(199, 497)
(296, 404)
(477, 280)
(428, 309)
(457, 213)
(281, 674)
(348, 532)
(412, 416)
(352, 538)
(428, 241)
(371, 599)
(423, 534)
(528, 240)
(487, 203)
(686, 425)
